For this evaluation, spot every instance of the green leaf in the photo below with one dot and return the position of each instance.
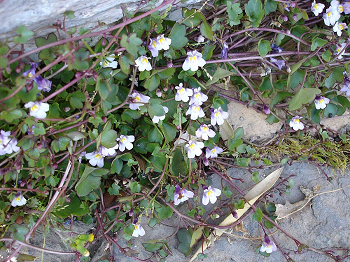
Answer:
(327, 56)
(205, 30)
(234, 13)
(317, 42)
(233, 143)
(304, 96)
(125, 61)
(258, 215)
(108, 138)
(3, 62)
(76, 99)
(166, 73)
(155, 135)
(131, 43)
(178, 164)
(19, 232)
(330, 111)
(228, 193)
(164, 212)
(255, 12)
(41, 41)
(25, 143)
(264, 47)
(243, 162)
(296, 78)
(191, 17)
(184, 237)
(315, 115)
(169, 131)
(152, 83)
(218, 75)
(280, 96)
(135, 187)
(11, 115)
(208, 51)
(240, 204)
(270, 6)
(155, 108)
(39, 129)
(177, 36)
(24, 35)
(90, 180)
(336, 75)
(152, 247)
(114, 190)
(69, 14)
(116, 166)
(76, 135)
(75, 207)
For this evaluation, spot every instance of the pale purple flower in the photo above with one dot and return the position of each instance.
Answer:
(346, 7)
(156, 119)
(279, 63)
(43, 84)
(210, 194)
(276, 49)
(339, 27)
(331, 16)
(109, 151)
(7, 144)
(321, 102)
(153, 47)
(194, 148)
(195, 111)
(181, 195)
(346, 85)
(183, 93)
(212, 153)
(218, 116)
(143, 64)
(266, 109)
(125, 142)
(96, 158)
(18, 200)
(224, 51)
(31, 72)
(193, 61)
(268, 245)
(109, 62)
(317, 8)
(198, 97)
(286, 6)
(138, 229)
(204, 132)
(199, 39)
(37, 109)
(137, 100)
(340, 50)
(296, 124)
(163, 43)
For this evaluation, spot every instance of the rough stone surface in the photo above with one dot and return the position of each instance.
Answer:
(254, 124)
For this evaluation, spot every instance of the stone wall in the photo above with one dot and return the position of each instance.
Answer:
(35, 14)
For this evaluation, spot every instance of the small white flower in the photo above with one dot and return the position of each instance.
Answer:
(7, 144)
(182, 93)
(211, 153)
(96, 158)
(335, 4)
(195, 111)
(181, 195)
(18, 200)
(199, 39)
(340, 50)
(193, 61)
(37, 109)
(194, 148)
(125, 142)
(143, 64)
(321, 102)
(163, 43)
(331, 16)
(153, 47)
(156, 119)
(109, 151)
(109, 62)
(339, 27)
(198, 97)
(138, 100)
(268, 245)
(210, 194)
(296, 124)
(136, 83)
(218, 116)
(204, 132)
(317, 8)
(138, 229)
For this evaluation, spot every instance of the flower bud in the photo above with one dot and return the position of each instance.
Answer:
(103, 42)
(284, 18)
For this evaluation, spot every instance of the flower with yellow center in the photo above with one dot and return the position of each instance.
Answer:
(210, 194)
(182, 93)
(204, 132)
(18, 200)
(125, 142)
(143, 64)
(37, 109)
(194, 148)
(193, 61)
